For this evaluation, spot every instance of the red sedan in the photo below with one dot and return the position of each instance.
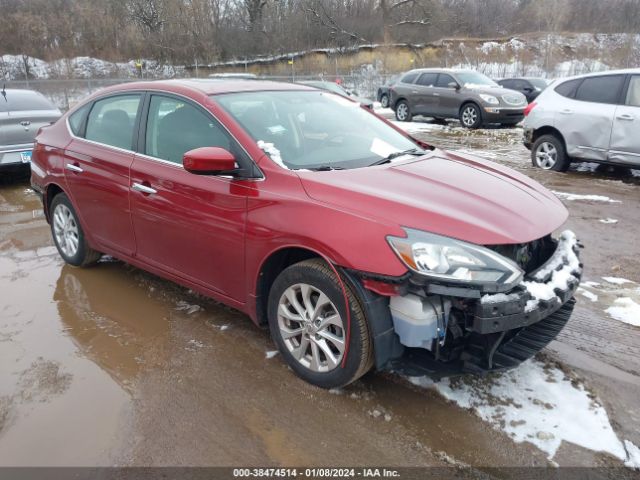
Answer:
(358, 245)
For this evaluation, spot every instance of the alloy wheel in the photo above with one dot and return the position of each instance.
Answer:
(546, 155)
(311, 327)
(65, 230)
(384, 101)
(402, 112)
(469, 116)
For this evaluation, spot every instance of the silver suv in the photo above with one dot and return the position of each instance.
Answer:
(22, 113)
(592, 118)
(469, 96)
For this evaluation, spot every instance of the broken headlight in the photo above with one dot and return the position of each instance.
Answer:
(448, 260)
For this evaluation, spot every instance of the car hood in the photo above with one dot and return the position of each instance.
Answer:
(445, 193)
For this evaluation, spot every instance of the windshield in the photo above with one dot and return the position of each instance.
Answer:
(331, 86)
(314, 129)
(475, 78)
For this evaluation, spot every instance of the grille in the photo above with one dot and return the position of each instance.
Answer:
(513, 99)
(529, 256)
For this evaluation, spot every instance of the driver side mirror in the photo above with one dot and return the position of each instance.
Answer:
(209, 161)
(453, 85)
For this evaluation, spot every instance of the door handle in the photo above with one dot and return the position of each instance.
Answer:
(566, 111)
(138, 187)
(25, 123)
(625, 116)
(73, 168)
(414, 91)
(436, 94)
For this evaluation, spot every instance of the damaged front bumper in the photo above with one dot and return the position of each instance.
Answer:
(475, 333)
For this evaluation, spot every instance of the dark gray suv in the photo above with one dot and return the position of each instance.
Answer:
(469, 96)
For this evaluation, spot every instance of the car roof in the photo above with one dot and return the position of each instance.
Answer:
(626, 71)
(442, 70)
(208, 86)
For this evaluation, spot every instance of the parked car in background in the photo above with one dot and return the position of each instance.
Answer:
(593, 118)
(234, 76)
(383, 92)
(356, 244)
(469, 96)
(22, 113)
(530, 87)
(339, 89)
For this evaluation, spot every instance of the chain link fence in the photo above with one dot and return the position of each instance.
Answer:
(66, 93)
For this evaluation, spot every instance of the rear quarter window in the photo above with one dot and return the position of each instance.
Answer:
(410, 77)
(77, 118)
(568, 89)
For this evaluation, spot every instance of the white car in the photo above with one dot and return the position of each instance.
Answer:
(592, 118)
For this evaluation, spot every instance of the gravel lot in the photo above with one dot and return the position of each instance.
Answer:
(112, 365)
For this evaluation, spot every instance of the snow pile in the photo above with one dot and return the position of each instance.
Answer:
(270, 354)
(589, 198)
(633, 452)
(616, 280)
(271, 150)
(562, 266)
(539, 404)
(625, 310)
(14, 67)
(499, 298)
(587, 294)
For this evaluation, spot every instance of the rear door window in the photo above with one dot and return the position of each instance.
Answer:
(427, 79)
(111, 120)
(605, 89)
(76, 119)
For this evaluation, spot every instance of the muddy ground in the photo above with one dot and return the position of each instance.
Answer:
(113, 366)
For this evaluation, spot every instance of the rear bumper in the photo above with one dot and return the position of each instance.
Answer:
(12, 157)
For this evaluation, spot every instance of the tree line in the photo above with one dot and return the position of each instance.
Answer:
(188, 31)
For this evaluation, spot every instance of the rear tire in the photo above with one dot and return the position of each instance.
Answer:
(403, 112)
(548, 153)
(384, 101)
(68, 235)
(470, 116)
(308, 322)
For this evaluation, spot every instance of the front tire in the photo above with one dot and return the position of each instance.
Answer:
(548, 153)
(470, 116)
(308, 321)
(403, 112)
(68, 235)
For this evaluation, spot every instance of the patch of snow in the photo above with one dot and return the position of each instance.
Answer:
(271, 150)
(537, 404)
(499, 298)
(562, 266)
(271, 354)
(617, 280)
(633, 455)
(587, 294)
(591, 284)
(588, 198)
(608, 220)
(224, 327)
(416, 127)
(194, 345)
(625, 310)
(336, 391)
(384, 112)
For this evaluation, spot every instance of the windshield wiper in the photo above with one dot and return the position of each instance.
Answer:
(388, 158)
(326, 168)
